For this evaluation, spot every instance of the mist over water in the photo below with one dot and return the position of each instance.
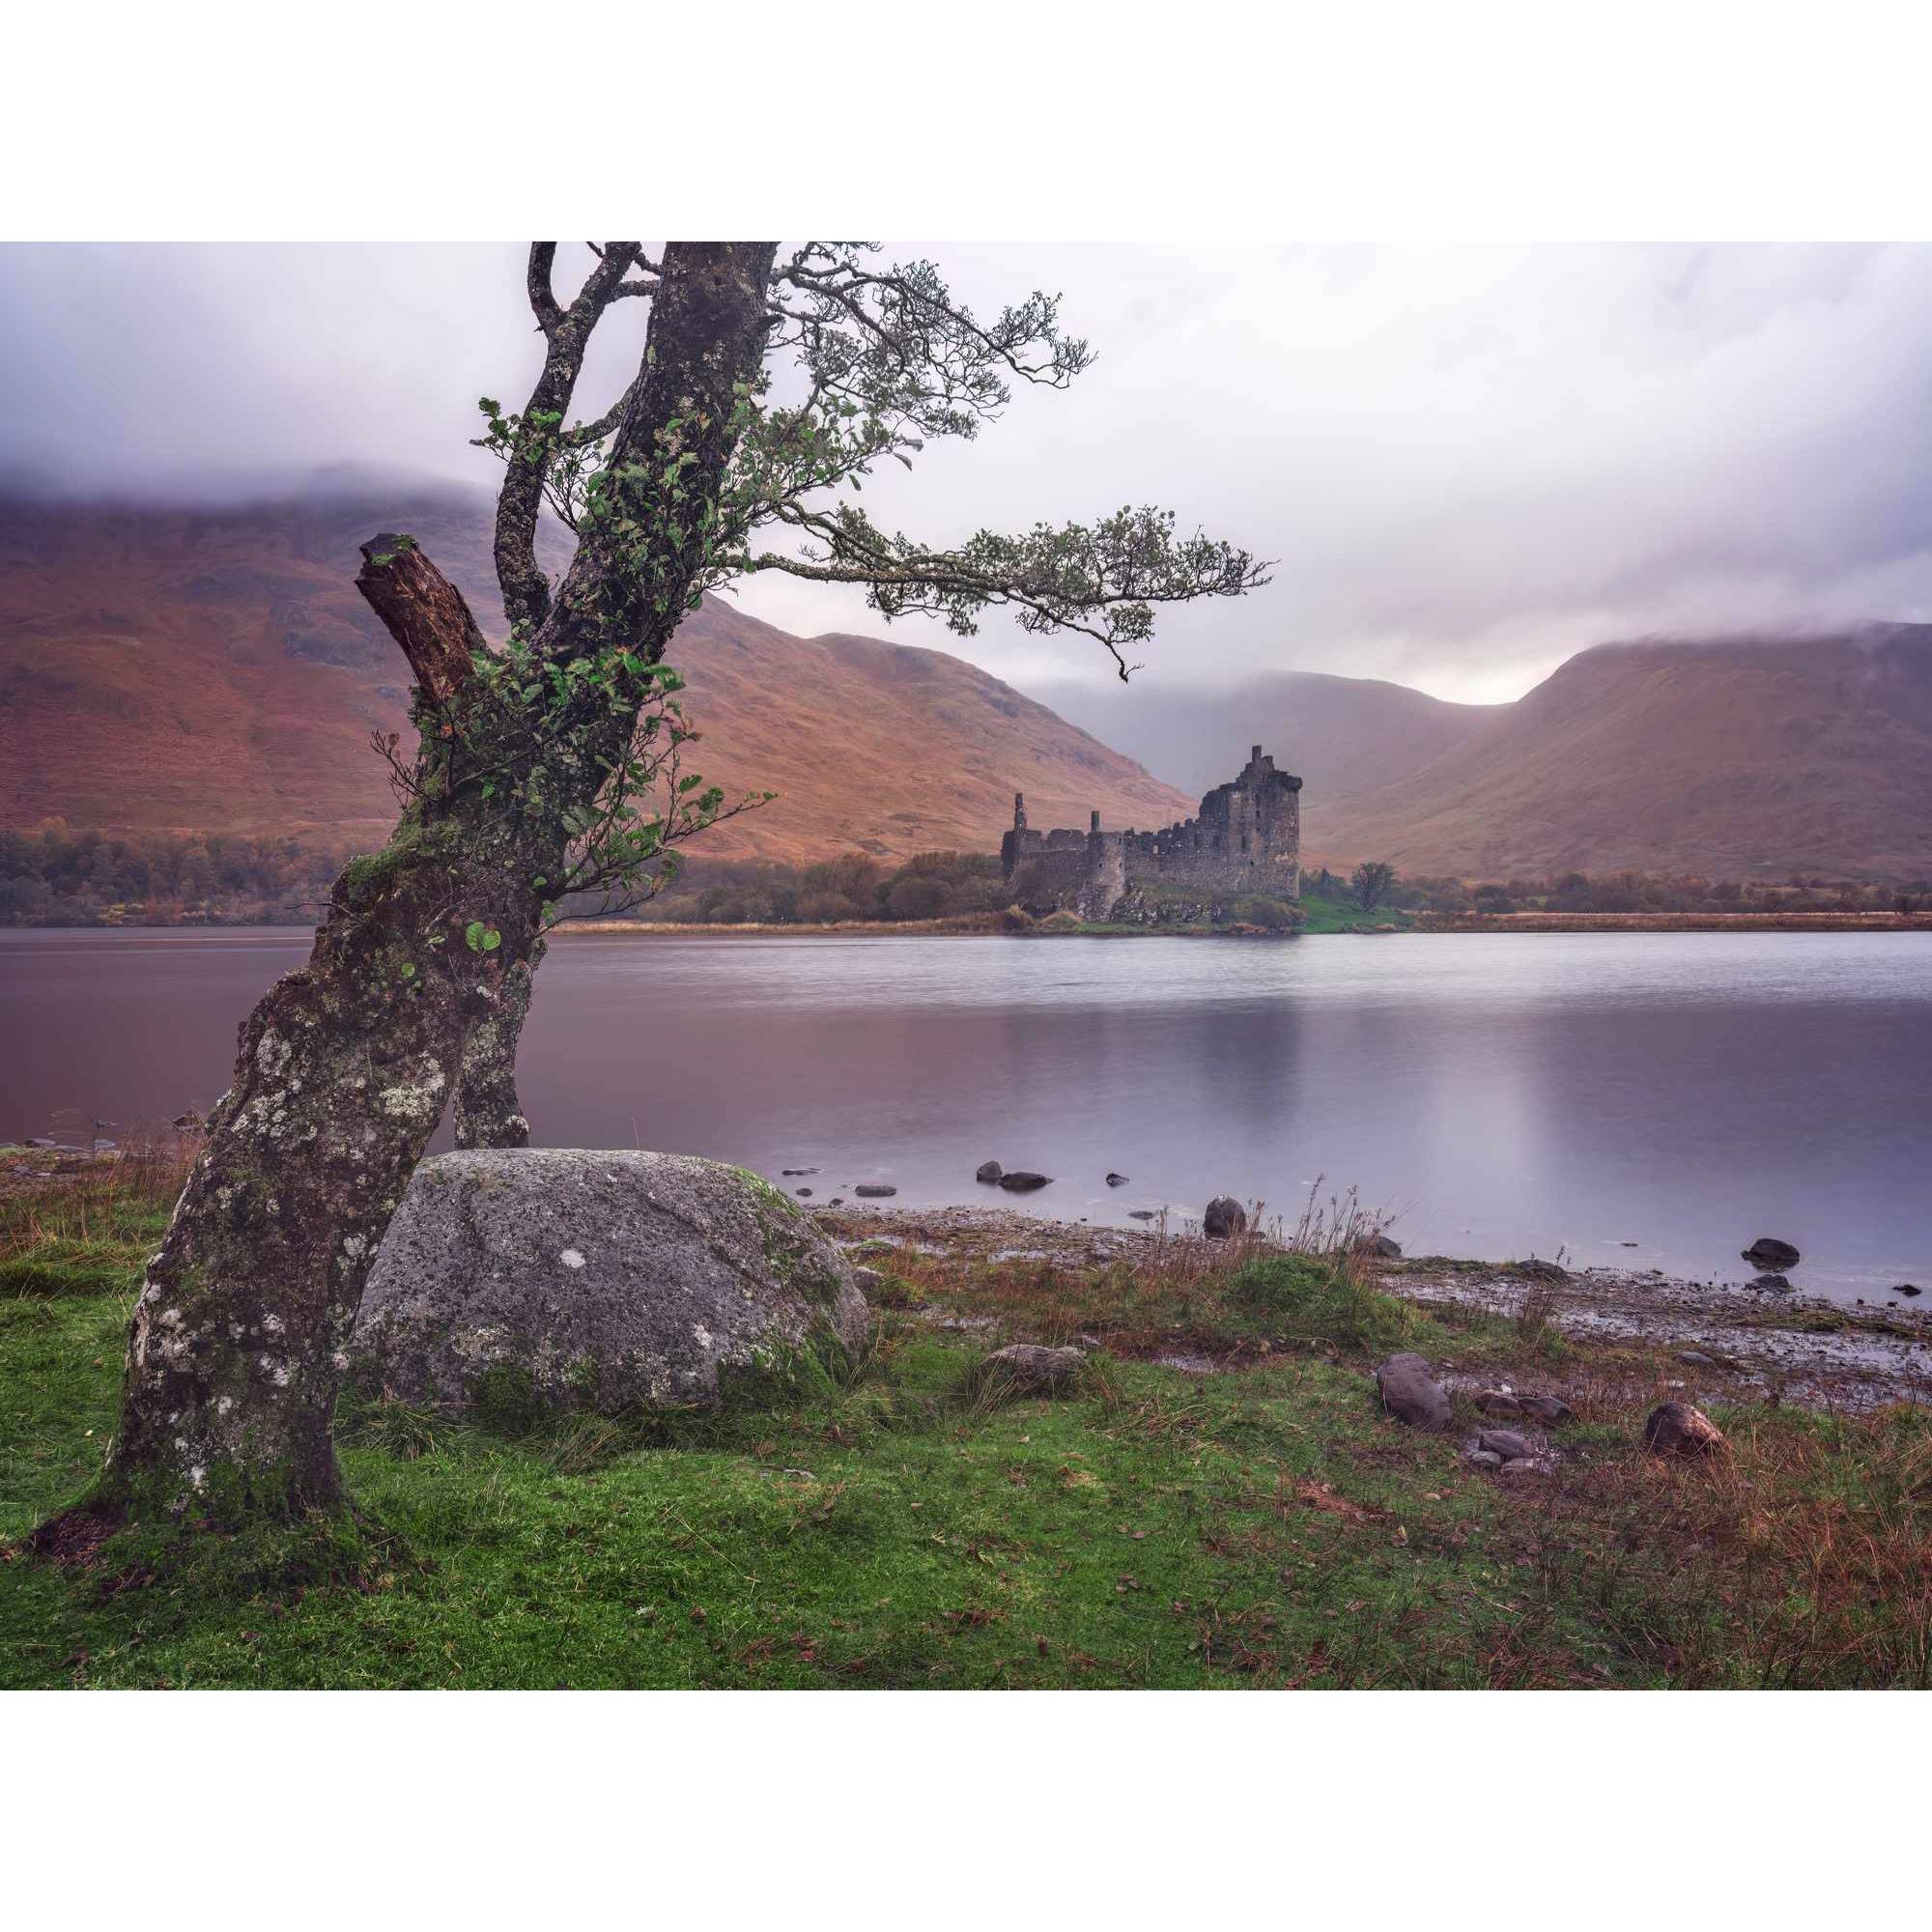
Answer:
(1499, 1094)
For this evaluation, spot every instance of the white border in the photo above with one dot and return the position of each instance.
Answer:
(1015, 122)
(1013, 119)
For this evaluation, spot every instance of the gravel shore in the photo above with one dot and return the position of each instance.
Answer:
(1728, 1343)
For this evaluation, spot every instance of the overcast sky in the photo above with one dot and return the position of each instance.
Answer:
(1471, 462)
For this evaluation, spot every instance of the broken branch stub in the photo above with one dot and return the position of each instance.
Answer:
(423, 612)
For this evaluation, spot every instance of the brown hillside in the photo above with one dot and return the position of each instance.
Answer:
(216, 670)
(1742, 758)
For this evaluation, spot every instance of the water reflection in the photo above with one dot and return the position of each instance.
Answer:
(1505, 1095)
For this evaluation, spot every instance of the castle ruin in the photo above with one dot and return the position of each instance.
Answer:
(1246, 840)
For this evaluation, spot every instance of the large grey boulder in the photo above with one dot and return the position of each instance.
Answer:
(599, 1280)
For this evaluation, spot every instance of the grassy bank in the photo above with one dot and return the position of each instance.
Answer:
(1674, 921)
(1319, 916)
(1258, 1524)
(1342, 915)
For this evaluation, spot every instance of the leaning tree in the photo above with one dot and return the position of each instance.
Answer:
(770, 387)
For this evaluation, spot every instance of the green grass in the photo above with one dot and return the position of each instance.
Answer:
(1145, 1532)
(1318, 916)
(1323, 915)
(1264, 1526)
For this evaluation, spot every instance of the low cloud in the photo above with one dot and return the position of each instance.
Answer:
(1468, 462)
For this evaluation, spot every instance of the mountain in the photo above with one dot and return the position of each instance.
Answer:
(215, 670)
(1749, 758)
(1341, 735)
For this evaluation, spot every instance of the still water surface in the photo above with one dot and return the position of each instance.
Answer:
(1499, 1094)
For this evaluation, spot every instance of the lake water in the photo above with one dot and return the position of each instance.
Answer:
(1499, 1094)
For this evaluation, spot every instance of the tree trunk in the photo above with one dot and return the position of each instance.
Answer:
(487, 1111)
(236, 1343)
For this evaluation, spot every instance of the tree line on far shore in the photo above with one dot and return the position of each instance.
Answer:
(1628, 891)
(58, 875)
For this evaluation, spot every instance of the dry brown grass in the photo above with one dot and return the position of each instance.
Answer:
(85, 1226)
(1803, 1558)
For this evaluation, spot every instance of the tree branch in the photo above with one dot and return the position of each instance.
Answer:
(423, 612)
(1101, 580)
(537, 278)
(532, 440)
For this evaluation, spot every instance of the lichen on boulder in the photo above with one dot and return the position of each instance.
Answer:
(604, 1280)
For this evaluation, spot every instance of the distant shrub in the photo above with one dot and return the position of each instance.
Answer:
(918, 896)
(1269, 915)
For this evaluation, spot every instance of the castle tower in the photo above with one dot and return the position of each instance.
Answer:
(1094, 822)
(1019, 811)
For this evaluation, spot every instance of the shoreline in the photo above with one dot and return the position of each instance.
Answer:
(1422, 923)
(1747, 1345)
(1674, 921)
(1104, 1458)
(987, 926)
(1724, 1342)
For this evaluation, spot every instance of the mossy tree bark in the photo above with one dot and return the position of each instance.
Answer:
(421, 971)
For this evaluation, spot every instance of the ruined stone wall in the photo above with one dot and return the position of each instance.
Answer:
(1044, 869)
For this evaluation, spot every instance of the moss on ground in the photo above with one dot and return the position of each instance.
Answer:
(1262, 1526)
